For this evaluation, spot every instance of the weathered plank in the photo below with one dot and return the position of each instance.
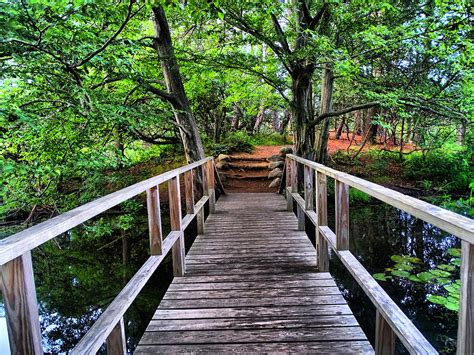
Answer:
(332, 347)
(342, 215)
(19, 296)
(384, 336)
(189, 191)
(179, 266)
(154, 220)
(116, 342)
(322, 220)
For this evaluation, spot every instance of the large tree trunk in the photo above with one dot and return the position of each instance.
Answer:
(188, 129)
(302, 111)
(322, 131)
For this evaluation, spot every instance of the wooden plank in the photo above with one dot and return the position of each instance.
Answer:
(154, 220)
(466, 310)
(98, 333)
(342, 215)
(301, 218)
(253, 285)
(275, 311)
(219, 181)
(256, 278)
(308, 188)
(294, 176)
(254, 302)
(116, 342)
(384, 336)
(179, 266)
(329, 347)
(244, 335)
(19, 297)
(257, 322)
(322, 250)
(448, 221)
(189, 191)
(30, 238)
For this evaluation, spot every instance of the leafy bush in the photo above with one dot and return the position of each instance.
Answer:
(235, 142)
(447, 168)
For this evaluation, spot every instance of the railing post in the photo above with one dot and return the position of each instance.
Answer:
(179, 267)
(466, 311)
(189, 190)
(211, 186)
(308, 188)
(19, 295)
(384, 336)
(154, 220)
(116, 342)
(342, 216)
(322, 251)
(289, 198)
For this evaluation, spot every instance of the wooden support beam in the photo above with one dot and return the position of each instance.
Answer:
(154, 220)
(322, 251)
(179, 267)
(384, 336)
(466, 311)
(116, 342)
(294, 176)
(308, 188)
(342, 216)
(21, 308)
(189, 191)
(200, 221)
(211, 186)
(300, 215)
(289, 199)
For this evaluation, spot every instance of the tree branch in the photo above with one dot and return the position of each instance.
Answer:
(314, 22)
(342, 112)
(106, 43)
(281, 35)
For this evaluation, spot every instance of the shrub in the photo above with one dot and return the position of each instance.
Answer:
(447, 168)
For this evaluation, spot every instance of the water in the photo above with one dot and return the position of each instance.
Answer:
(78, 274)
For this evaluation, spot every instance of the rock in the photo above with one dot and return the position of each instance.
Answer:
(286, 150)
(275, 157)
(224, 157)
(275, 173)
(276, 164)
(222, 165)
(275, 183)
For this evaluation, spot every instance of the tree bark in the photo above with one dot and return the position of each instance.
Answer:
(322, 131)
(188, 129)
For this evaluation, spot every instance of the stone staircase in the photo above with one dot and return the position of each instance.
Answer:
(249, 172)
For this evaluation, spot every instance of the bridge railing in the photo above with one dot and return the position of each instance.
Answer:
(17, 280)
(390, 319)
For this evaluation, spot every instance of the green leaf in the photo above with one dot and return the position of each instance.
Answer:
(401, 266)
(440, 273)
(401, 273)
(381, 277)
(437, 299)
(446, 267)
(414, 278)
(454, 252)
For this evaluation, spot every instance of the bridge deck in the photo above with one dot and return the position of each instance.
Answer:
(251, 285)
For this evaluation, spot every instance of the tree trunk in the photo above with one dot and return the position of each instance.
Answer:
(461, 132)
(340, 128)
(322, 132)
(302, 111)
(259, 120)
(188, 129)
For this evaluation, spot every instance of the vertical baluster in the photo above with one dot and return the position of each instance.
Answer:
(19, 296)
(308, 188)
(179, 267)
(154, 220)
(384, 336)
(211, 185)
(342, 216)
(294, 176)
(466, 310)
(116, 342)
(289, 198)
(322, 215)
(189, 190)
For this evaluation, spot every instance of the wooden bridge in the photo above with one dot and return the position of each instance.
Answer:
(252, 281)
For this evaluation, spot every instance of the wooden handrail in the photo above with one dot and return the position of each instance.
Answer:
(30, 238)
(390, 320)
(17, 280)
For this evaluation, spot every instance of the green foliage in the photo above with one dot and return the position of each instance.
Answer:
(358, 196)
(447, 168)
(410, 268)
